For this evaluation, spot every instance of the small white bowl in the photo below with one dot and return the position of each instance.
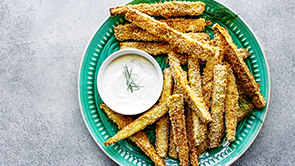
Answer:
(112, 84)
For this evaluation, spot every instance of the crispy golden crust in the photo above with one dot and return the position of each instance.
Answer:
(185, 44)
(244, 53)
(222, 41)
(172, 146)
(241, 114)
(162, 135)
(162, 125)
(140, 123)
(119, 119)
(195, 102)
(231, 106)
(149, 47)
(186, 25)
(133, 32)
(200, 129)
(177, 117)
(240, 68)
(142, 141)
(167, 85)
(220, 74)
(194, 75)
(203, 146)
(207, 78)
(166, 9)
(193, 151)
(139, 138)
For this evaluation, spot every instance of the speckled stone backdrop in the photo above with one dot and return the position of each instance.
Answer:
(41, 46)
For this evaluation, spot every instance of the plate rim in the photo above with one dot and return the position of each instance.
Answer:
(258, 42)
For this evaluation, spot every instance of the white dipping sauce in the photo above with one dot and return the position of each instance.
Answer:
(144, 74)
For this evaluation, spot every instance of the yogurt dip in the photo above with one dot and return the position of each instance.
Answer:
(130, 83)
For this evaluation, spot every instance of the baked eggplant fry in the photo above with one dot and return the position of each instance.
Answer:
(183, 43)
(167, 85)
(172, 146)
(162, 125)
(200, 129)
(194, 76)
(207, 78)
(216, 127)
(193, 151)
(241, 114)
(196, 103)
(177, 118)
(187, 24)
(140, 123)
(244, 53)
(139, 138)
(240, 68)
(166, 9)
(162, 135)
(203, 146)
(231, 106)
(133, 32)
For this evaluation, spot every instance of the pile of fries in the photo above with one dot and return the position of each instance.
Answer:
(198, 106)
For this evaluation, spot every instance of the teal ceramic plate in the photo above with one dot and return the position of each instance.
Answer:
(124, 152)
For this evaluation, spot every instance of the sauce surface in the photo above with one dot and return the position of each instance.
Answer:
(115, 89)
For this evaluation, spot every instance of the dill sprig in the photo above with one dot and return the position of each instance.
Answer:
(131, 85)
(243, 104)
(222, 13)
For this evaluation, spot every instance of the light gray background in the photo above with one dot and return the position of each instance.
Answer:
(41, 46)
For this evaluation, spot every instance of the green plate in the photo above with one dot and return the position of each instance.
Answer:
(124, 152)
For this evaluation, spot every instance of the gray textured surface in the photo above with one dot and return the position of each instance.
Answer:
(41, 45)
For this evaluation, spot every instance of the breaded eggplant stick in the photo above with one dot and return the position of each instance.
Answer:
(203, 146)
(244, 53)
(203, 49)
(162, 135)
(139, 138)
(223, 41)
(140, 123)
(193, 151)
(194, 76)
(207, 78)
(166, 9)
(241, 114)
(216, 127)
(177, 117)
(240, 68)
(172, 145)
(162, 125)
(231, 106)
(196, 103)
(133, 32)
(187, 24)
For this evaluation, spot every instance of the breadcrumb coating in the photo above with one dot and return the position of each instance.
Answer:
(166, 9)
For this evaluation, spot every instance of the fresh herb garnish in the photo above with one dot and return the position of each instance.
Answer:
(243, 104)
(131, 85)
(221, 13)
